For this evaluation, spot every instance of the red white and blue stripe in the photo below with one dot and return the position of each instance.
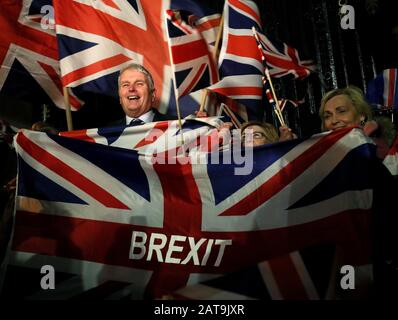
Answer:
(239, 61)
(382, 91)
(192, 59)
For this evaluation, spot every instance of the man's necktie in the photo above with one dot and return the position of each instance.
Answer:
(136, 122)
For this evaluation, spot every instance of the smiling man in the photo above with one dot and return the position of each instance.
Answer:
(137, 95)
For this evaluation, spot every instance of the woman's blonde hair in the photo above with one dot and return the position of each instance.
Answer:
(271, 133)
(357, 98)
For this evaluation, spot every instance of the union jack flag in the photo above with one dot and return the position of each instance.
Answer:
(28, 53)
(208, 26)
(206, 20)
(382, 91)
(98, 38)
(192, 60)
(132, 227)
(239, 62)
(283, 59)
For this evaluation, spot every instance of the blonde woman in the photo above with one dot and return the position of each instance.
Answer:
(342, 108)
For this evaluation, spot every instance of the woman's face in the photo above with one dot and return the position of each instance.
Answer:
(339, 112)
(254, 136)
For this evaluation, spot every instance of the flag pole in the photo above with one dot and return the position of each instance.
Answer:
(204, 99)
(68, 112)
(216, 52)
(277, 108)
(270, 98)
(174, 85)
(234, 119)
(218, 39)
(179, 115)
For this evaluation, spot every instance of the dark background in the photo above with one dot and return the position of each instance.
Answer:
(311, 26)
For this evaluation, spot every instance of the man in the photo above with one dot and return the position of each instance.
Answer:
(137, 95)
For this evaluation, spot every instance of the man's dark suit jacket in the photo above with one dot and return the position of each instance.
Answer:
(158, 117)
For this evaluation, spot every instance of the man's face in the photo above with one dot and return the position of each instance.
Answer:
(135, 95)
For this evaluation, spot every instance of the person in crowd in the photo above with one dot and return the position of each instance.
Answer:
(345, 107)
(341, 108)
(44, 127)
(137, 96)
(382, 131)
(264, 133)
(255, 133)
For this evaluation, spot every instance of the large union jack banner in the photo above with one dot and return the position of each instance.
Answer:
(115, 223)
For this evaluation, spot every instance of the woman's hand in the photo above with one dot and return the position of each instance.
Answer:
(286, 133)
(201, 114)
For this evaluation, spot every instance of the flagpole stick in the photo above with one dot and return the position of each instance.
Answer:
(280, 118)
(175, 86)
(205, 92)
(179, 119)
(68, 112)
(218, 39)
(278, 109)
(204, 99)
(234, 119)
